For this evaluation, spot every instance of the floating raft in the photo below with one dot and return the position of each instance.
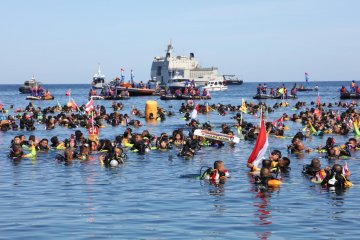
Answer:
(268, 96)
(183, 97)
(39, 98)
(349, 95)
(99, 97)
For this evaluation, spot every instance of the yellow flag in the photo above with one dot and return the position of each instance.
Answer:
(243, 107)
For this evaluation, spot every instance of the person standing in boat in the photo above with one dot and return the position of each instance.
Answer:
(186, 84)
(259, 88)
(353, 86)
(285, 90)
(272, 92)
(264, 89)
(205, 93)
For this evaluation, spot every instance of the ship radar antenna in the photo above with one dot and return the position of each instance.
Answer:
(99, 69)
(169, 49)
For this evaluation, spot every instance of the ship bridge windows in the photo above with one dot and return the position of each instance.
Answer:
(158, 71)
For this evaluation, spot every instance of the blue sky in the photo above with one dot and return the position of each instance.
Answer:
(259, 40)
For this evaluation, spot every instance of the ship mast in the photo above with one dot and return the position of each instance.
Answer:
(169, 50)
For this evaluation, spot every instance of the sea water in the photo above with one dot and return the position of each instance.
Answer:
(148, 198)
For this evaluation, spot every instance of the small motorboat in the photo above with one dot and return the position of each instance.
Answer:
(98, 81)
(215, 85)
(29, 85)
(232, 80)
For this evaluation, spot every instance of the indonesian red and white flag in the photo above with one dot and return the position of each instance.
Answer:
(89, 107)
(345, 169)
(278, 123)
(195, 111)
(68, 93)
(260, 147)
(318, 103)
(73, 104)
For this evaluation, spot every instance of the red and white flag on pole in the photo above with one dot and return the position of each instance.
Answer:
(73, 104)
(345, 169)
(318, 103)
(195, 111)
(89, 107)
(261, 145)
(68, 93)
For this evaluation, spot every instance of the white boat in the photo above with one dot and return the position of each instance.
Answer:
(98, 81)
(216, 84)
(164, 69)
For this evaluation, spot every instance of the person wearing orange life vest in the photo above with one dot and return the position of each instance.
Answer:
(357, 89)
(266, 180)
(343, 89)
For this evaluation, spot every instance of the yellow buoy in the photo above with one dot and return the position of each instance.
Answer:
(151, 110)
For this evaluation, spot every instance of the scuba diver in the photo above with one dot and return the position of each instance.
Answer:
(335, 178)
(217, 173)
(114, 158)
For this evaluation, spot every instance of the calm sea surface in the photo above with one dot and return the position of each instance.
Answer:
(147, 198)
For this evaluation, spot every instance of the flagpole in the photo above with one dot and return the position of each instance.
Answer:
(92, 121)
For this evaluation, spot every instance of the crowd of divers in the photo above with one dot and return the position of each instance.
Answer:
(316, 120)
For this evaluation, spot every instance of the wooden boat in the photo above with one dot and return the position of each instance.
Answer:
(137, 91)
(40, 97)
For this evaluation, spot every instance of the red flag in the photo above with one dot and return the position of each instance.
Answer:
(260, 147)
(195, 111)
(89, 107)
(68, 93)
